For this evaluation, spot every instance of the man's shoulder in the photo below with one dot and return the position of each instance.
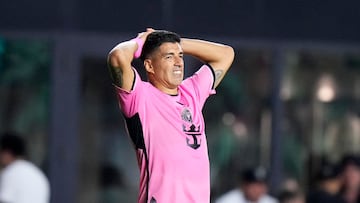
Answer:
(189, 81)
(22, 168)
(234, 195)
(14, 170)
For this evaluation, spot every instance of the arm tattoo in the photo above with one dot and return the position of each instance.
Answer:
(218, 75)
(116, 75)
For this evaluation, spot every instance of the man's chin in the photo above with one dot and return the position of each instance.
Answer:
(178, 81)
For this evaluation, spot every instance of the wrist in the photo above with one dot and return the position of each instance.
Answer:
(140, 44)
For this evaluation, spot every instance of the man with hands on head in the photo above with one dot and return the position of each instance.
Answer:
(164, 115)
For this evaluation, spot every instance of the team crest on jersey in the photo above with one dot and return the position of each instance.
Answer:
(192, 131)
(186, 115)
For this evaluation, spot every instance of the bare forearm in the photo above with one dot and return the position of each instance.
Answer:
(120, 58)
(219, 56)
(205, 50)
(119, 63)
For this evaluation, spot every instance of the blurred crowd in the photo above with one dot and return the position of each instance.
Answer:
(337, 182)
(333, 182)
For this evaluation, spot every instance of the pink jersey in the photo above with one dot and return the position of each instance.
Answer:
(168, 133)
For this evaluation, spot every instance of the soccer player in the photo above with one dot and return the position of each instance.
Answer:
(164, 115)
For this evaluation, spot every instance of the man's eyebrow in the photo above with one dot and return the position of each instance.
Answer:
(168, 54)
(172, 53)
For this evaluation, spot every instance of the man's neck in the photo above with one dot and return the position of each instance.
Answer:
(166, 90)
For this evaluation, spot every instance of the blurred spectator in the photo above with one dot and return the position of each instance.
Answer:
(252, 189)
(290, 191)
(290, 184)
(350, 190)
(291, 196)
(327, 186)
(20, 180)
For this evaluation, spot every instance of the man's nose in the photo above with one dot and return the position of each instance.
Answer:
(179, 60)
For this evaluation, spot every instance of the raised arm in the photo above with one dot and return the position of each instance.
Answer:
(218, 56)
(119, 61)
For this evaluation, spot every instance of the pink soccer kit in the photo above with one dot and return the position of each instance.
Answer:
(168, 133)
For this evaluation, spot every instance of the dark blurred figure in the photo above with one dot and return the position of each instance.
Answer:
(350, 190)
(289, 196)
(328, 183)
(113, 185)
(20, 180)
(252, 188)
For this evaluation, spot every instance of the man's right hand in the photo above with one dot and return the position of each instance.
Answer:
(143, 35)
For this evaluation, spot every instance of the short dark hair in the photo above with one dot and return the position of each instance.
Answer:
(13, 143)
(155, 39)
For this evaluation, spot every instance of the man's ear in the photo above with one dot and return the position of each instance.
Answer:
(148, 66)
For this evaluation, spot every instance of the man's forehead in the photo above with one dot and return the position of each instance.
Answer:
(167, 46)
